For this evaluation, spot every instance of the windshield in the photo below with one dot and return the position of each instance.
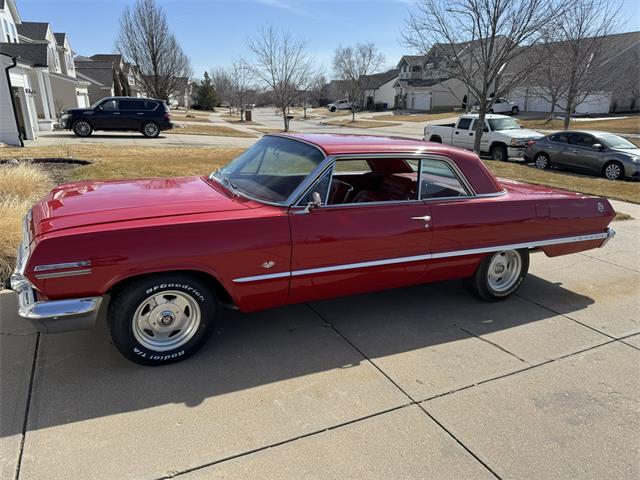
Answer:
(616, 142)
(271, 169)
(497, 124)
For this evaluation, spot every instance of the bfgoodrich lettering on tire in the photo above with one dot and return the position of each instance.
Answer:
(499, 274)
(162, 318)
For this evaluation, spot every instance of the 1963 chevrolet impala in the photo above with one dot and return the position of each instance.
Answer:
(295, 218)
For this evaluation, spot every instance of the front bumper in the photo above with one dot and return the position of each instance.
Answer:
(55, 316)
(50, 316)
(516, 152)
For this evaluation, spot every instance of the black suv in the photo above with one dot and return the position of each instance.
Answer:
(148, 116)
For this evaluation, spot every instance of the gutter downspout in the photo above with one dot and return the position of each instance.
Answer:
(13, 100)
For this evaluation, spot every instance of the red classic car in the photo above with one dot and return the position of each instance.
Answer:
(295, 218)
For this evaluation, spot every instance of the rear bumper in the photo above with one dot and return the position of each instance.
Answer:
(54, 316)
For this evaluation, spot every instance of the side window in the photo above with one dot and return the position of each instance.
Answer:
(464, 123)
(110, 105)
(352, 166)
(149, 105)
(437, 179)
(130, 105)
(582, 140)
(560, 138)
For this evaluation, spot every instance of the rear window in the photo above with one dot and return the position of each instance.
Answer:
(150, 105)
(464, 123)
(130, 105)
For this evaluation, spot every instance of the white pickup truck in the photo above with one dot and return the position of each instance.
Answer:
(503, 136)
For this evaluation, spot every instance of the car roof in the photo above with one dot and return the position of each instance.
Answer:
(347, 144)
(588, 132)
(488, 116)
(132, 98)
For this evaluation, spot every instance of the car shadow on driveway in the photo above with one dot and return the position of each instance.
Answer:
(80, 376)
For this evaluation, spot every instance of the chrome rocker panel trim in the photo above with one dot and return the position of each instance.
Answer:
(605, 236)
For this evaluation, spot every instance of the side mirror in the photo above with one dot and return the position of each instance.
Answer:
(598, 146)
(315, 203)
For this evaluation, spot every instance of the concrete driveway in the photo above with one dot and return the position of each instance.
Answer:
(422, 382)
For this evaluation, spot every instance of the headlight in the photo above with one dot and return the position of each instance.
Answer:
(518, 142)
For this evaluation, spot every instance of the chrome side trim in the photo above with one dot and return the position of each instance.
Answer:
(610, 234)
(70, 273)
(60, 266)
(430, 256)
(268, 276)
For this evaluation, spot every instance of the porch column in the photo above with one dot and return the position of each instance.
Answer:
(50, 99)
(43, 94)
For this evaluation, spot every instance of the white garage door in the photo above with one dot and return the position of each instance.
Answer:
(421, 101)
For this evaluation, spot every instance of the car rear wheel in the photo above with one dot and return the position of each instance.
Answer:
(499, 153)
(542, 161)
(161, 319)
(332, 109)
(499, 274)
(82, 128)
(514, 111)
(613, 171)
(150, 129)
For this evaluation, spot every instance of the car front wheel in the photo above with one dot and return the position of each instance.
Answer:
(499, 274)
(542, 161)
(150, 129)
(499, 153)
(161, 319)
(332, 109)
(514, 111)
(613, 171)
(82, 128)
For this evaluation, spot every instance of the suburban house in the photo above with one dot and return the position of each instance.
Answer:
(43, 81)
(108, 74)
(333, 91)
(615, 86)
(423, 83)
(182, 96)
(379, 93)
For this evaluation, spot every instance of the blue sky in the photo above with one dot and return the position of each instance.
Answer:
(214, 32)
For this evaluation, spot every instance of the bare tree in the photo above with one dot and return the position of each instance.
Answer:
(313, 93)
(478, 39)
(221, 80)
(585, 51)
(146, 42)
(243, 91)
(283, 65)
(351, 65)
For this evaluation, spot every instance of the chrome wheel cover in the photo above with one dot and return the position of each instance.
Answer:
(151, 129)
(504, 270)
(612, 172)
(541, 162)
(166, 320)
(82, 128)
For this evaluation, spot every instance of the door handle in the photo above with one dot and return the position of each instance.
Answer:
(140, 113)
(456, 133)
(471, 134)
(116, 113)
(426, 219)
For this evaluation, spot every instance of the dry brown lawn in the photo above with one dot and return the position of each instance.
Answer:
(215, 130)
(20, 187)
(360, 123)
(185, 118)
(627, 191)
(621, 125)
(416, 117)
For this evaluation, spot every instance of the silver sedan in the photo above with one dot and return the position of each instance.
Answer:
(587, 151)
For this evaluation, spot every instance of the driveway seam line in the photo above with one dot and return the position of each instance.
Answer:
(413, 401)
(530, 367)
(479, 337)
(566, 316)
(25, 423)
(283, 442)
(609, 262)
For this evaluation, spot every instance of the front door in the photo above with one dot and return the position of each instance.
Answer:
(581, 154)
(106, 116)
(462, 134)
(374, 234)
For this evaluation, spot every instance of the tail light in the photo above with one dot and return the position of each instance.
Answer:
(167, 115)
(531, 143)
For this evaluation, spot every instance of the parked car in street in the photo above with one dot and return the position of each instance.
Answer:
(501, 105)
(340, 105)
(148, 116)
(503, 137)
(587, 151)
(295, 218)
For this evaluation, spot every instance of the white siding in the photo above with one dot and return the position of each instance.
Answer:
(8, 127)
(529, 101)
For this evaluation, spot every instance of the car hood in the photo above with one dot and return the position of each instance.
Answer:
(94, 202)
(632, 152)
(522, 133)
(77, 110)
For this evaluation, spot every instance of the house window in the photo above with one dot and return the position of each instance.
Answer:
(5, 26)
